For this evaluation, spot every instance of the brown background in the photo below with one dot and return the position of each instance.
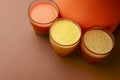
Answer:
(25, 56)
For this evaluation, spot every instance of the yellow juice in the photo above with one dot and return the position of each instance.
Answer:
(64, 36)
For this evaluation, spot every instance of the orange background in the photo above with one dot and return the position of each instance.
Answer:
(89, 13)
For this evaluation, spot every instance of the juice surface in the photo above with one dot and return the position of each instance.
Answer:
(43, 12)
(98, 41)
(65, 32)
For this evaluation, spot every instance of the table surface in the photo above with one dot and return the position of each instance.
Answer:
(26, 56)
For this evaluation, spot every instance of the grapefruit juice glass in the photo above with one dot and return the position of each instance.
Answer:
(42, 13)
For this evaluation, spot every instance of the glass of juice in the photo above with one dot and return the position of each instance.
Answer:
(64, 36)
(42, 13)
(96, 44)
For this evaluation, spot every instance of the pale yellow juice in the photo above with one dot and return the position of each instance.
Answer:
(64, 36)
(97, 44)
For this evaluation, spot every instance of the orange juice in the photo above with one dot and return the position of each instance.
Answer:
(64, 36)
(42, 14)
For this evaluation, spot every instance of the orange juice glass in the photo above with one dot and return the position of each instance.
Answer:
(42, 13)
(64, 36)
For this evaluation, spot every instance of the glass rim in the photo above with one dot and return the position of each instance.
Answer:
(106, 31)
(74, 22)
(48, 1)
